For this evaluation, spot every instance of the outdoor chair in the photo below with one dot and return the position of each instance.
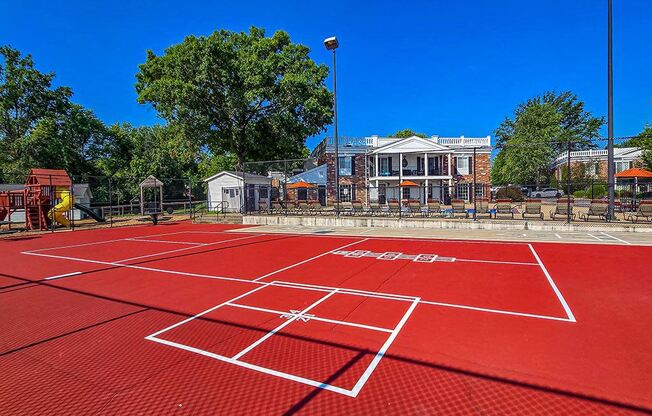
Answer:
(414, 207)
(303, 208)
(434, 208)
(504, 207)
(315, 206)
(346, 208)
(644, 211)
(532, 208)
(562, 209)
(459, 208)
(277, 208)
(356, 207)
(263, 208)
(394, 207)
(482, 207)
(376, 209)
(598, 208)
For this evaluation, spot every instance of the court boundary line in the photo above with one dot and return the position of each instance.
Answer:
(307, 260)
(235, 359)
(560, 297)
(315, 287)
(184, 249)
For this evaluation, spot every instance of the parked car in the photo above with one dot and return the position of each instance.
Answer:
(547, 193)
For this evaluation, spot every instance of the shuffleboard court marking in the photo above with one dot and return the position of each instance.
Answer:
(163, 241)
(307, 260)
(616, 238)
(563, 302)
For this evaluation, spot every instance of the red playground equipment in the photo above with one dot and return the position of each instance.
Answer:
(42, 188)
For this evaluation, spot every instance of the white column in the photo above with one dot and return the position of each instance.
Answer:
(377, 168)
(425, 165)
(425, 195)
(449, 164)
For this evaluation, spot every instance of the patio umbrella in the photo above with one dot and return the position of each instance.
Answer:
(301, 184)
(634, 173)
(408, 183)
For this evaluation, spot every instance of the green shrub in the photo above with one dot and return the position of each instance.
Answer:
(580, 194)
(597, 190)
(510, 192)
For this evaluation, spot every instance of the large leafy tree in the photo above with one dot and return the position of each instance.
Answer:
(39, 125)
(245, 94)
(540, 129)
(643, 141)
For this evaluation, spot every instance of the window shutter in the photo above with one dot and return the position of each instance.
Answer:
(389, 165)
(471, 167)
(352, 165)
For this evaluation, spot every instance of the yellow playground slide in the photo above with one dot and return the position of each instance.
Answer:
(58, 212)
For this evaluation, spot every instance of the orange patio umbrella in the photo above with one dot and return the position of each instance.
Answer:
(408, 183)
(301, 184)
(634, 173)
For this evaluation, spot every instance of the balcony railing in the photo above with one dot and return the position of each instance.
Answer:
(411, 172)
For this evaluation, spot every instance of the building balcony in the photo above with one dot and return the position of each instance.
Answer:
(411, 174)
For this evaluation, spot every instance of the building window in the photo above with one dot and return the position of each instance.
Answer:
(384, 166)
(347, 193)
(346, 165)
(463, 191)
(479, 190)
(406, 193)
(302, 194)
(462, 165)
(621, 166)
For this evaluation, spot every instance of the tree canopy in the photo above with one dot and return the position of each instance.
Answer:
(246, 94)
(540, 129)
(405, 133)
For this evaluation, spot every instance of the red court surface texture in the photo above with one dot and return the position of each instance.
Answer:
(214, 320)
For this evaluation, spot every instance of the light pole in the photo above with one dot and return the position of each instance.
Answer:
(610, 115)
(331, 45)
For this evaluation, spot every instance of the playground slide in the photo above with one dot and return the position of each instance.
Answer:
(88, 211)
(58, 212)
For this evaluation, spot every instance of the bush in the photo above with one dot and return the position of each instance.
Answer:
(597, 191)
(624, 194)
(510, 192)
(581, 194)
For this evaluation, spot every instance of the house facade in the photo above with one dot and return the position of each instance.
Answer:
(224, 191)
(594, 161)
(371, 168)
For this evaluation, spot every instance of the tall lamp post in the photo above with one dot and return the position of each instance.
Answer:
(610, 115)
(331, 45)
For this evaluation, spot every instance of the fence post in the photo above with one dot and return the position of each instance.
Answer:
(568, 184)
(53, 210)
(475, 205)
(190, 197)
(110, 204)
(72, 206)
(285, 187)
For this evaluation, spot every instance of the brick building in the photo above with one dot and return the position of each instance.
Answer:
(594, 161)
(371, 168)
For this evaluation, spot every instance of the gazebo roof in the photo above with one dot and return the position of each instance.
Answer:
(151, 182)
(634, 173)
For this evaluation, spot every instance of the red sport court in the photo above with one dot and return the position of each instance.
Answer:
(215, 319)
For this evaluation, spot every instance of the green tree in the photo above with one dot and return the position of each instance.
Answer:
(26, 97)
(541, 128)
(405, 133)
(248, 95)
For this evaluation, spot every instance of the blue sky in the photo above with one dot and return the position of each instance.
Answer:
(439, 67)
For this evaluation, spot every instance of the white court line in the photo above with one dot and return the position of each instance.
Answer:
(293, 284)
(591, 235)
(498, 311)
(558, 236)
(316, 318)
(62, 275)
(367, 373)
(99, 242)
(184, 249)
(310, 259)
(517, 263)
(254, 367)
(283, 325)
(615, 238)
(163, 241)
(207, 311)
(569, 313)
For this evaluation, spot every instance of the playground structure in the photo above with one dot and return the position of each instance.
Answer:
(47, 197)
